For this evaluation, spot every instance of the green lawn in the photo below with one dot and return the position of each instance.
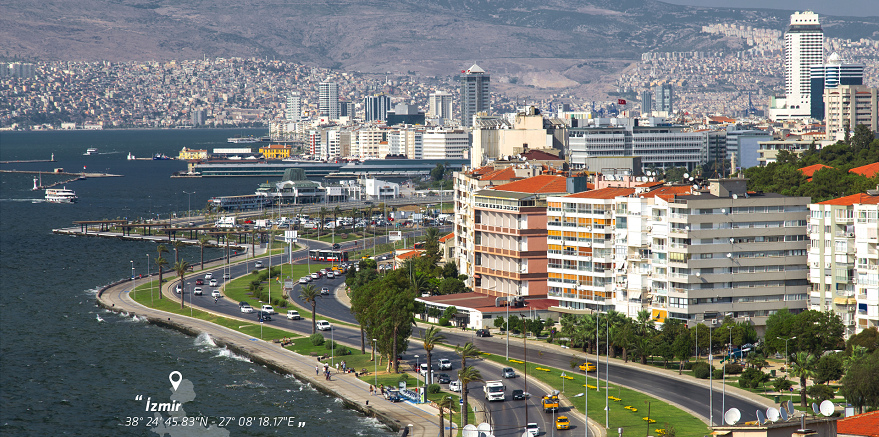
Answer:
(619, 417)
(356, 360)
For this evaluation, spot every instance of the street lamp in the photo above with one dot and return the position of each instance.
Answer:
(133, 281)
(189, 210)
(728, 354)
(417, 370)
(585, 408)
(375, 362)
(786, 356)
(189, 284)
(151, 278)
(333, 347)
(710, 379)
(606, 373)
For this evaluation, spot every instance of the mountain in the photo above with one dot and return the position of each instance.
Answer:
(565, 42)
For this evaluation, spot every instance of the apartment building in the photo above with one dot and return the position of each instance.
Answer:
(509, 245)
(844, 261)
(847, 106)
(446, 144)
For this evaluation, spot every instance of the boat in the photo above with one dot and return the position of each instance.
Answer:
(131, 157)
(242, 140)
(160, 157)
(60, 195)
(91, 151)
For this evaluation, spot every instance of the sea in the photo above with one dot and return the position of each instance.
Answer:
(68, 367)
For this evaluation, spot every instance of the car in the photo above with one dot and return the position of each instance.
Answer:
(425, 294)
(216, 294)
(331, 275)
(315, 275)
(242, 303)
(483, 333)
(562, 422)
(323, 325)
(422, 369)
(303, 280)
(178, 289)
(518, 395)
(293, 315)
(393, 395)
(268, 309)
(532, 429)
(197, 291)
(455, 385)
(309, 278)
(445, 364)
(443, 378)
(258, 264)
(509, 372)
(199, 281)
(325, 291)
(209, 276)
(337, 246)
(214, 283)
(587, 367)
(263, 316)
(246, 308)
(322, 272)
(227, 275)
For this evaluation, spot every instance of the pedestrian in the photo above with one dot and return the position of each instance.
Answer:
(383, 389)
(371, 390)
(317, 370)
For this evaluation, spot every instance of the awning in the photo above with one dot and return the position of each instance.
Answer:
(843, 301)
(634, 295)
(477, 276)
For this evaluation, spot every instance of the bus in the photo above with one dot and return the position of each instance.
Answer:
(328, 255)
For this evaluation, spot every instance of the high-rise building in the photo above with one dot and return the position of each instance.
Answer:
(646, 102)
(440, 105)
(346, 109)
(475, 95)
(803, 48)
(847, 106)
(197, 117)
(831, 75)
(376, 107)
(663, 98)
(328, 100)
(293, 111)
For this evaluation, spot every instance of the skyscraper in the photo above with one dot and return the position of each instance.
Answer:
(440, 105)
(328, 103)
(803, 48)
(646, 102)
(664, 94)
(831, 75)
(293, 111)
(474, 93)
(376, 107)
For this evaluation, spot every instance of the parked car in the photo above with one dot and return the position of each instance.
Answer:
(422, 369)
(509, 372)
(258, 264)
(216, 294)
(293, 315)
(268, 309)
(246, 308)
(208, 275)
(518, 395)
(199, 281)
(445, 364)
(483, 333)
(197, 291)
(443, 378)
(214, 283)
(323, 325)
(325, 291)
(393, 395)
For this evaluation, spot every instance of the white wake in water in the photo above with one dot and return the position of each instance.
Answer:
(226, 353)
(98, 318)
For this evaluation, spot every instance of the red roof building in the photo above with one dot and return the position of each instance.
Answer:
(810, 170)
(861, 425)
(869, 170)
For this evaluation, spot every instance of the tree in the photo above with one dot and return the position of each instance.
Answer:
(803, 367)
(336, 212)
(160, 263)
(682, 347)
(644, 325)
(177, 244)
(500, 323)
(781, 384)
(363, 297)
(310, 294)
(821, 392)
(430, 337)
(467, 375)
(203, 241)
(467, 351)
(626, 339)
(779, 326)
(322, 214)
(664, 349)
(453, 286)
(868, 338)
(180, 267)
(446, 403)
(450, 269)
(862, 138)
(860, 386)
(829, 368)
(396, 312)
(438, 172)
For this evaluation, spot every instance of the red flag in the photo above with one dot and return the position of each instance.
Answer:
(621, 101)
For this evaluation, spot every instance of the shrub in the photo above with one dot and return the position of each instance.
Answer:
(329, 344)
(317, 339)
(701, 370)
(733, 368)
(781, 385)
(718, 373)
(434, 388)
(443, 321)
(820, 392)
(689, 365)
(752, 378)
(342, 350)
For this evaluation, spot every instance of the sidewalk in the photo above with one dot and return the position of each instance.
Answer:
(354, 393)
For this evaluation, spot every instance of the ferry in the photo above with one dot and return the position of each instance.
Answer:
(60, 195)
(160, 157)
(242, 140)
(91, 151)
(131, 157)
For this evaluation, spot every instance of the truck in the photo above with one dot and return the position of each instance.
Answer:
(226, 222)
(550, 403)
(261, 223)
(494, 390)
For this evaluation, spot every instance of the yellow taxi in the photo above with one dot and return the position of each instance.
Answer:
(562, 422)
(587, 367)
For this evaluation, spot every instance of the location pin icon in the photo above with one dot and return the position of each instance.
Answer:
(176, 383)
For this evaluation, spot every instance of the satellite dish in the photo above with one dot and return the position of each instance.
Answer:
(698, 274)
(815, 408)
(686, 175)
(470, 431)
(723, 210)
(826, 408)
(761, 419)
(691, 179)
(790, 406)
(484, 429)
(732, 416)
(784, 415)
(772, 414)
(735, 196)
(687, 228)
(729, 255)
(695, 186)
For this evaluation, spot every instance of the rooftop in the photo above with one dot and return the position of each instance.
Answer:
(485, 303)
(866, 424)
(447, 237)
(854, 199)
(604, 193)
(810, 170)
(869, 170)
(546, 184)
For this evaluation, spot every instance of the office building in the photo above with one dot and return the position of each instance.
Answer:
(346, 109)
(803, 48)
(646, 102)
(446, 144)
(664, 99)
(844, 261)
(376, 107)
(847, 106)
(293, 110)
(328, 100)
(404, 114)
(475, 97)
(831, 75)
(499, 137)
(440, 105)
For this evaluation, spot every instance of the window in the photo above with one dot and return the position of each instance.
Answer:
(477, 259)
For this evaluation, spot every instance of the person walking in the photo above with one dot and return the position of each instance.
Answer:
(371, 390)
(316, 370)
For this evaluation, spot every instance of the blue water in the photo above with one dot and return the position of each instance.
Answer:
(63, 371)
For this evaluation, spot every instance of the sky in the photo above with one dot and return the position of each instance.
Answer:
(822, 7)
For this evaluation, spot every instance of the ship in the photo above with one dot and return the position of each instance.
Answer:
(160, 157)
(131, 157)
(242, 140)
(60, 195)
(91, 151)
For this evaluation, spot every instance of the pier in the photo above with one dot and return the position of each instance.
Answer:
(82, 175)
(28, 161)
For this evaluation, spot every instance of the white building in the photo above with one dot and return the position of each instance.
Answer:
(368, 142)
(847, 106)
(843, 259)
(803, 48)
(406, 141)
(446, 144)
(440, 105)
(379, 190)
(328, 100)
(293, 110)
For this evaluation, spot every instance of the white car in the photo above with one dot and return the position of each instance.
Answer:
(303, 280)
(331, 275)
(197, 291)
(323, 325)
(315, 275)
(209, 276)
(422, 369)
(325, 291)
(258, 264)
(455, 385)
(246, 309)
(268, 309)
(214, 283)
(215, 294)
(532, 428)
(178, 289)
(445, 364)
(227, 275)
(293, 315)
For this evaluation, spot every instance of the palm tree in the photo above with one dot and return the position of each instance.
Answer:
(431, 336)
(177, 245)
(323, 216)
(309, 294)
(803, 367)
(161, 263)
(203, 241)
(180, 267)
(443, 404)
(645, 324)
(468, 351)
(161, 248)
(467, 375)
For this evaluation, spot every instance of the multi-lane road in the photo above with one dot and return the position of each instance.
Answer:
(508, 417)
